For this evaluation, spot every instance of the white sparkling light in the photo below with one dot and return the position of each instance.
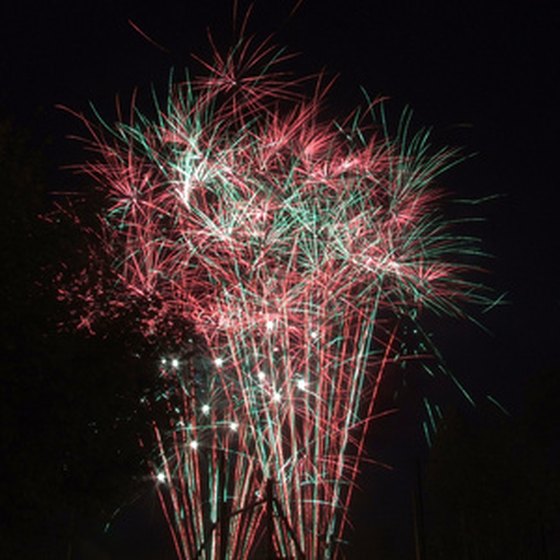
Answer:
(163, 361)
(233, 426)
(261, 375)
(193, 445)
(302, 384)
(175, 363)
(314, 335)
(206, 409)
(270, 325)
(276, 397)
(161, 477)
(219, 362)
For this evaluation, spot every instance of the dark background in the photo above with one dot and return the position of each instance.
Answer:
(486, 79)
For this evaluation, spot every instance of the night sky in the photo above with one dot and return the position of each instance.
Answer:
(486, 80)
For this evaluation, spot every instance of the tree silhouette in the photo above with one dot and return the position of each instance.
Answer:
(68, 403)
(490, 489)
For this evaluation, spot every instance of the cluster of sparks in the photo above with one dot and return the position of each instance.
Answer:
(293, 247)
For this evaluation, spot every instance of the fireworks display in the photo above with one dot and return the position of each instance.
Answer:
(292, 247)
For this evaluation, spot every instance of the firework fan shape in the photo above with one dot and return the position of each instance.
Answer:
(294, 247)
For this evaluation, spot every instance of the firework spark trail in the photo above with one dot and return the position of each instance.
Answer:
(293, 246)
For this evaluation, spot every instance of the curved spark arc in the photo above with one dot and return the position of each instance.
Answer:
(293, 247)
